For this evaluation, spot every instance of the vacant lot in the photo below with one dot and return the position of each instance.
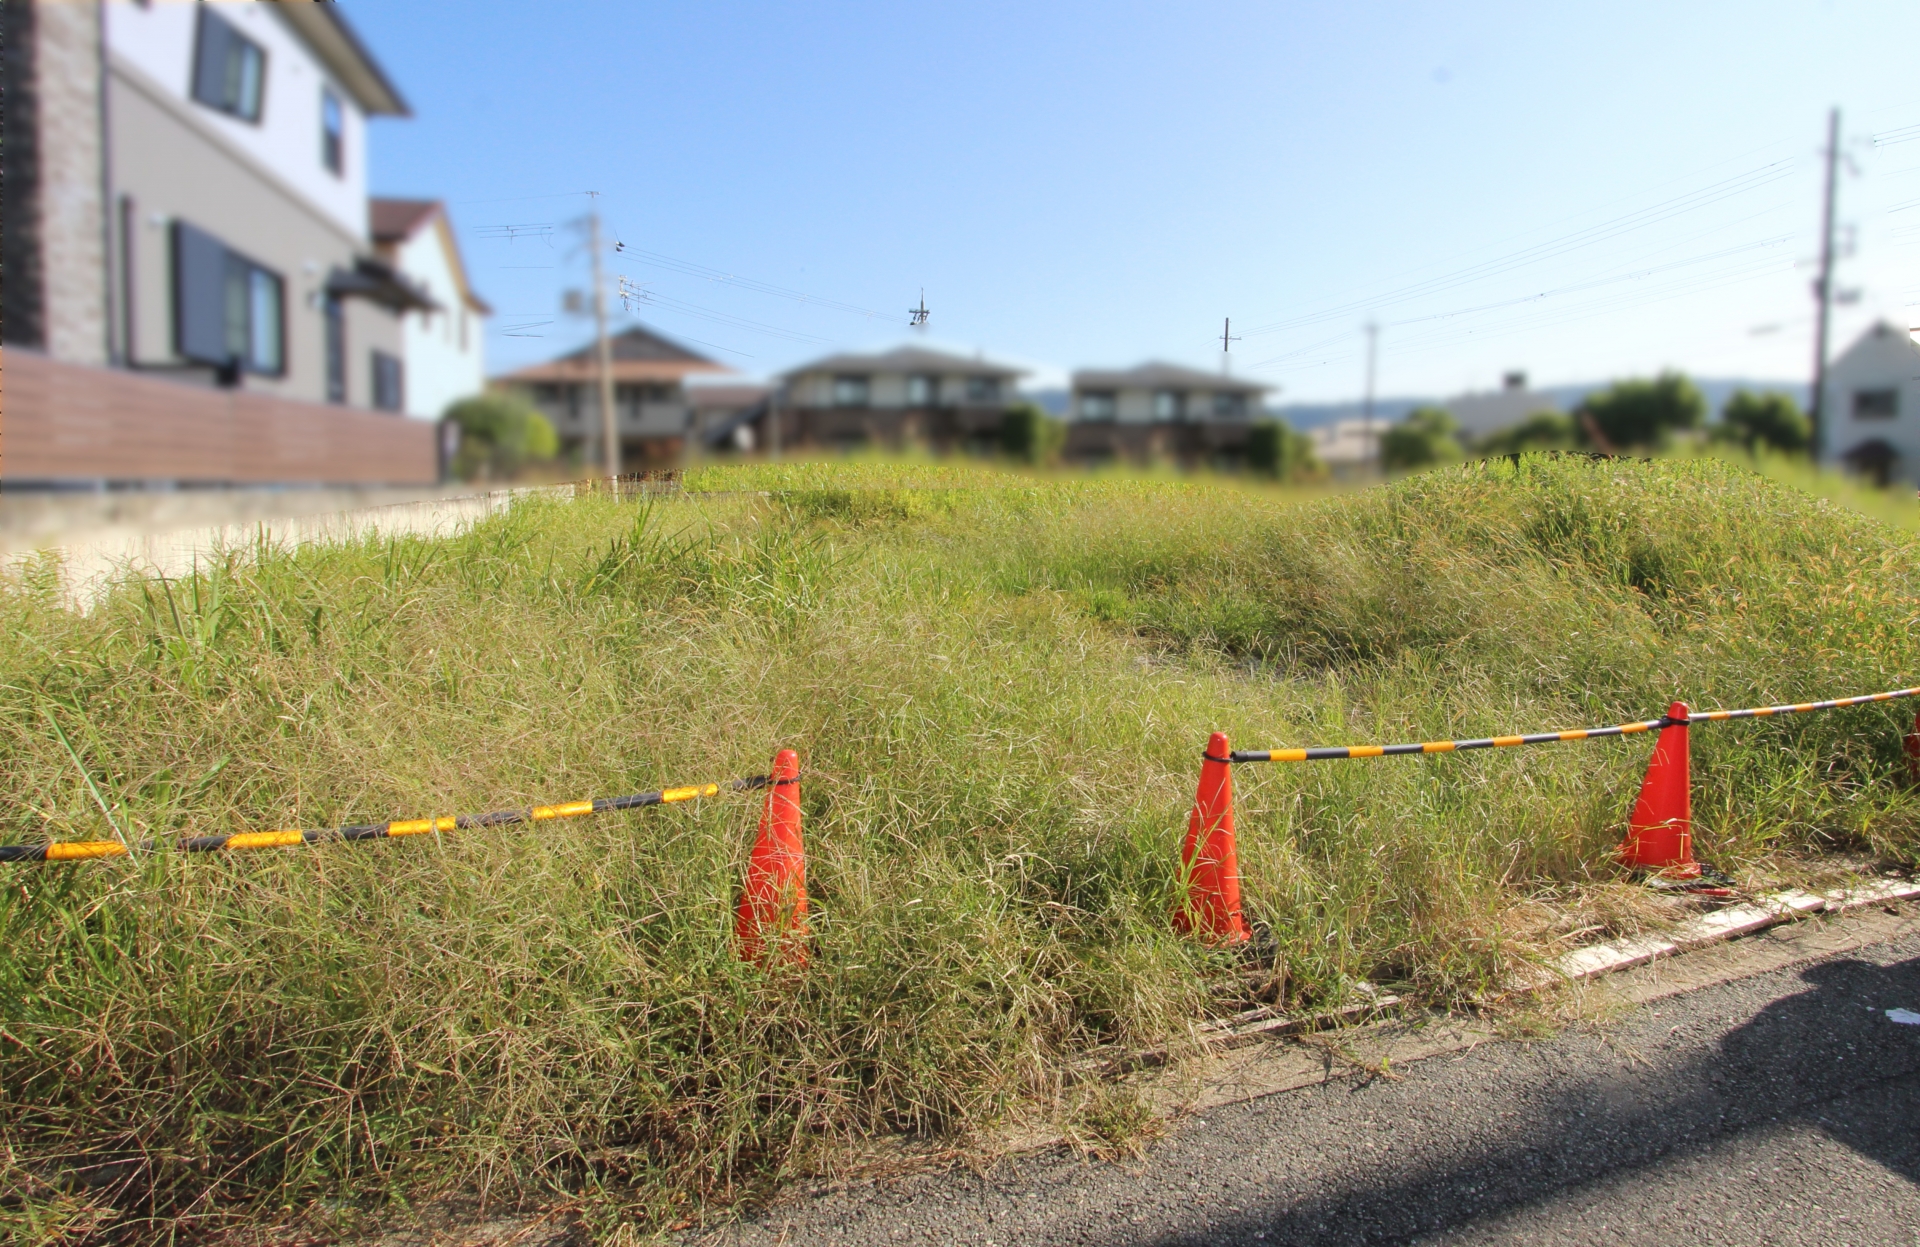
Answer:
(999, 687)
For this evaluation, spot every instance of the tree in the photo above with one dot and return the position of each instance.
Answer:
(1424, 438)
(1543, 430)
(500, 433)
(1030, 434)
(1770, 421)
(1640, 415)
(1275, 450)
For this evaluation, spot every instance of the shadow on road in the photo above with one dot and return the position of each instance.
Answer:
(1807, 1058)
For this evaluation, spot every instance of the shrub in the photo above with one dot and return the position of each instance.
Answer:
(1543, 430)
(1640, 415)
(1030, 435)
(500, 434)
(1770, 421)
(1424, 438)
(1275, 450)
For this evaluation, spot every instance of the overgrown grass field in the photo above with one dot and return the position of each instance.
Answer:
(1000, 687)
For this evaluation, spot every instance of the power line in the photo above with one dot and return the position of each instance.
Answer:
(512, 233)
(690, 269)
(1740, 184)
(515, 199)
(1442, 336)
(654, 298)
(1597, 283)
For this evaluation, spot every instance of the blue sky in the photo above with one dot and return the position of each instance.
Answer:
(1580, 190)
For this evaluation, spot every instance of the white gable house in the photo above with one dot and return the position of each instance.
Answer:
(442, 347)
(1872, 407)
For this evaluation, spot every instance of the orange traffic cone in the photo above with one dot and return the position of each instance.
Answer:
(1208, 860)
(772, 919)
(1910, 744)
(1660, 833)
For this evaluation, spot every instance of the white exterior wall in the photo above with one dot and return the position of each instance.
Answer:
(159, 39)
(812, 389)
(1134, 407)
(1877, 361)
(1134, 404)
(1480, 414)
(886, 389)
(443, 363)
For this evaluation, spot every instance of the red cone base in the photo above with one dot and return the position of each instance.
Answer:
(1660, 832)
(771, 924)
(1207, 860)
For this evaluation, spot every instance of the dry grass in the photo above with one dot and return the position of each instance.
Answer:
(999, 685)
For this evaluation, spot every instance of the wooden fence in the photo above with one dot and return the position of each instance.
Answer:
(68, 424)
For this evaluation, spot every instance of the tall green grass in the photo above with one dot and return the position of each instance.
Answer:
(1000, 686)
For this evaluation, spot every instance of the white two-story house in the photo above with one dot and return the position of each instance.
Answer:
(442, 347)
(1160, 411)
(908, 396)
(1872, 408)
(188, 197)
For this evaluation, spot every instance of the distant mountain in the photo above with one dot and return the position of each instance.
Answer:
(1717, 391)
(1053, 402)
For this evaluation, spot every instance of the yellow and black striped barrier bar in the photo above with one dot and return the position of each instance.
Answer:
(1548, 738)
(1761, 712)
(83, 850)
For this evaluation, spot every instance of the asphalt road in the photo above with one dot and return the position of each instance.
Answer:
(1780, 1108)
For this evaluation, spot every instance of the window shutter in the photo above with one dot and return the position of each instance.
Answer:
(210, 61)
(199, 295)
(389, 382)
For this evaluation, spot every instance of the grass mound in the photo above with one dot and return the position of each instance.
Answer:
(999, 685)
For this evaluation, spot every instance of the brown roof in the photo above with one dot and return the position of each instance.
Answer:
(639, 354)
(1156, 375)
(906, 359)
(586, 370)
(396, 220)
(639, 342)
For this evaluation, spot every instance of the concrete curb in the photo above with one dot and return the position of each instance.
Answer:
(1720, 925)
(1589, 962)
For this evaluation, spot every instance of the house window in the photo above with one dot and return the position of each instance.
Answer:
(850, 391)
(463, 329)
(1876, 404)
(983, 389)
(333, 132)
(1097, 405)
(1229, 404)
(229, 69)
(336, 350)
(921, 390)
(389, 382)
(1169, 405)
(228, 311)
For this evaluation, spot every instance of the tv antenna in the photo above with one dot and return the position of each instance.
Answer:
(917, 316)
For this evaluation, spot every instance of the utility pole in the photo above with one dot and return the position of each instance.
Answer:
(1366, 408)
(773, 421)
(1823, 290)
(1227, 339)
(609, 423)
